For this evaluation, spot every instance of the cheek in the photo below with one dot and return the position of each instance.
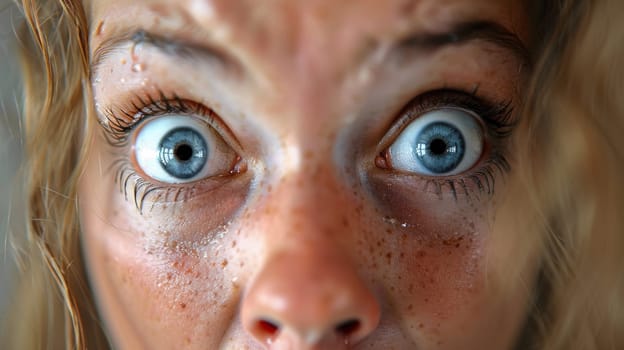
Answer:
(155, 285)
(166, 276)
(432, 271)
(430, 252)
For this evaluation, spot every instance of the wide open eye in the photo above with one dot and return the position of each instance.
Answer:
(180, 149)
(446, 141)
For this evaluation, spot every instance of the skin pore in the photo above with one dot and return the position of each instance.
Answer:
(303, 231)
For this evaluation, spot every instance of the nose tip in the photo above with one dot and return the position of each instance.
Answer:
(309, 303)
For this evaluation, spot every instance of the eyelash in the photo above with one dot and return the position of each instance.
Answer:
(498, 118)
(499, 122)
(139, 108)
(118, 124)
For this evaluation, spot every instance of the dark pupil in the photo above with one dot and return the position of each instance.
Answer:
(438, 146)
(183, 152)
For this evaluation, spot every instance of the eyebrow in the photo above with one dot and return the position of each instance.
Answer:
(464, 32)
(174, 47)
(461, 33)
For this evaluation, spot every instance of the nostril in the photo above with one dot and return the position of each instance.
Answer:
(348, 327)
(266, 329)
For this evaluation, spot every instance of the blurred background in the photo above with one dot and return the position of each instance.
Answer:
(10, 146)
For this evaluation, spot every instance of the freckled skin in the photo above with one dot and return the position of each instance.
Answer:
(310, 233)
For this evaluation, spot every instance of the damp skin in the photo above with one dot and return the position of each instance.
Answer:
(306, 239)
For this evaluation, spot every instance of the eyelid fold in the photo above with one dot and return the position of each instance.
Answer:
(121, 118)
(496, 117)
(497, 122)
(125, 120)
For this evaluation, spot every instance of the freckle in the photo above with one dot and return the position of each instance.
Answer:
(123, 61)
(345, 222)
(410, 307)
(224, 263)
(182, 305)
(358, 209)
(421, 325)
(233, 244)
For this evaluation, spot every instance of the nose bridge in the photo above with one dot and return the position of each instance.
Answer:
(307, 290)
(309, 203)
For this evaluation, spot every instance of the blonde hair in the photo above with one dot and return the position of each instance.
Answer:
(570, 165)
(55, 307)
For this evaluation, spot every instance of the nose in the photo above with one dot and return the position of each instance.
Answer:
(309, 299)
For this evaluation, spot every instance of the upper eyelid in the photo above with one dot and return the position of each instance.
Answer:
(163, 105)
(422, 104)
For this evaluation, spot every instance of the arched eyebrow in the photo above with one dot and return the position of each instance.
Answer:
(464, 32)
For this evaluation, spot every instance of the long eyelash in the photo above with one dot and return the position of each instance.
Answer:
(500, 122)
(498, 116)
(118, 124)
(483, 178)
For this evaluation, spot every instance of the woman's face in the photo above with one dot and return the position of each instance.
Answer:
(302, 174)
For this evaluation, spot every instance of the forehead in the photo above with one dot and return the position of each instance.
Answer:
(338, 28)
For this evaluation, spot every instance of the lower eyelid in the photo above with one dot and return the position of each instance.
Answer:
(145, 195)
(474, 184)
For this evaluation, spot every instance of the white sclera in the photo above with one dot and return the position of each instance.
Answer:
(150, 135)
(403, 153)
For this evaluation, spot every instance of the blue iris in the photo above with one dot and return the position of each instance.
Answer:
(440, 147)
(183, 153)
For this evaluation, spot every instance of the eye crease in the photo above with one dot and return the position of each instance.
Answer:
(163, 143)
(452, 139)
